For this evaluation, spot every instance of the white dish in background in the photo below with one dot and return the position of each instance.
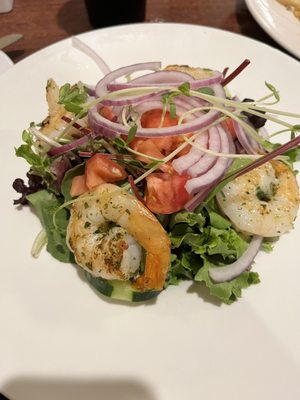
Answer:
(59, 338)
(278, 22)
(5, 62)
(6, 6)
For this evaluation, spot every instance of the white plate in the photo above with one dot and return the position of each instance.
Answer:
(60, 340)
(278, 22)
(5, 62)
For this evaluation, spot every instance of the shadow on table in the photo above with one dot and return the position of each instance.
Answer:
(79, 22)
(15, 56)
(73, 389)
(202, 292)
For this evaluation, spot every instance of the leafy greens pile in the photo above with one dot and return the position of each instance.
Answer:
(199, 240)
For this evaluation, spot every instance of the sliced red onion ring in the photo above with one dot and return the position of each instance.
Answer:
(219, 91)
(55, 151)
(130, 100)
(79, 45)
(263, 132)
(101, 86)
(168, 78)
(43, 137)
(183, 163)
(249, 144)
(157, 78)
(191, 101)
(188, 104)
(212, 175)
(216, 78)
(91, 89)
(208, 160)
(204, 192)
(231, 271)
(97, 123)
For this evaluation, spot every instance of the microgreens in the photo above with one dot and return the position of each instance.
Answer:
(206, 90)
(274, 91)
(131, 134)
(185, 88)
(73, 97)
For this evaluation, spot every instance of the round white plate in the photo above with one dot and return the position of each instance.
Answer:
(278, 22)
(60, 340)
(5, 62)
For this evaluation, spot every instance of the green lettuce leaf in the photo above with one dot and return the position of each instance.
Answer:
(230, 291)
(45, 204)
(67, 181)
(40, 163)
(205, 239)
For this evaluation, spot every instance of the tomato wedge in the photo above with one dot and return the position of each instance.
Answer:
(152, 119)
(100, 169)
(78, 186)
(107, 113)
(165, 193)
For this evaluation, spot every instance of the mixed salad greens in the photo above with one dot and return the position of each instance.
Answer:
(146, 135)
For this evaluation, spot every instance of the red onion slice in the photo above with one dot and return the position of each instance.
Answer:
(204, 192)
(249, 144)
(101, 86)
(97, 123)
(219, 91)
(183, 163)
(212, 175)
(91, 89)
(168, 78)
(189, 103)
(79, 45)
(158, 78)
(208, 160)
(216, 78)
(231, 271)
(130, 100)
(55, 151)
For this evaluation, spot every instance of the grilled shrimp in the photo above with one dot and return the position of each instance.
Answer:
(262, 202)
(108, 231)
(53, 125)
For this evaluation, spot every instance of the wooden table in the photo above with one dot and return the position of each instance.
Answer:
(45, 22)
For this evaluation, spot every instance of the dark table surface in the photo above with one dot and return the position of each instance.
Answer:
(45, 22)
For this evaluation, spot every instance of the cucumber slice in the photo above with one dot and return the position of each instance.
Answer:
(119, 290)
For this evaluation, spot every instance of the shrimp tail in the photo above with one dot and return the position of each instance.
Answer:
(154, 276)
